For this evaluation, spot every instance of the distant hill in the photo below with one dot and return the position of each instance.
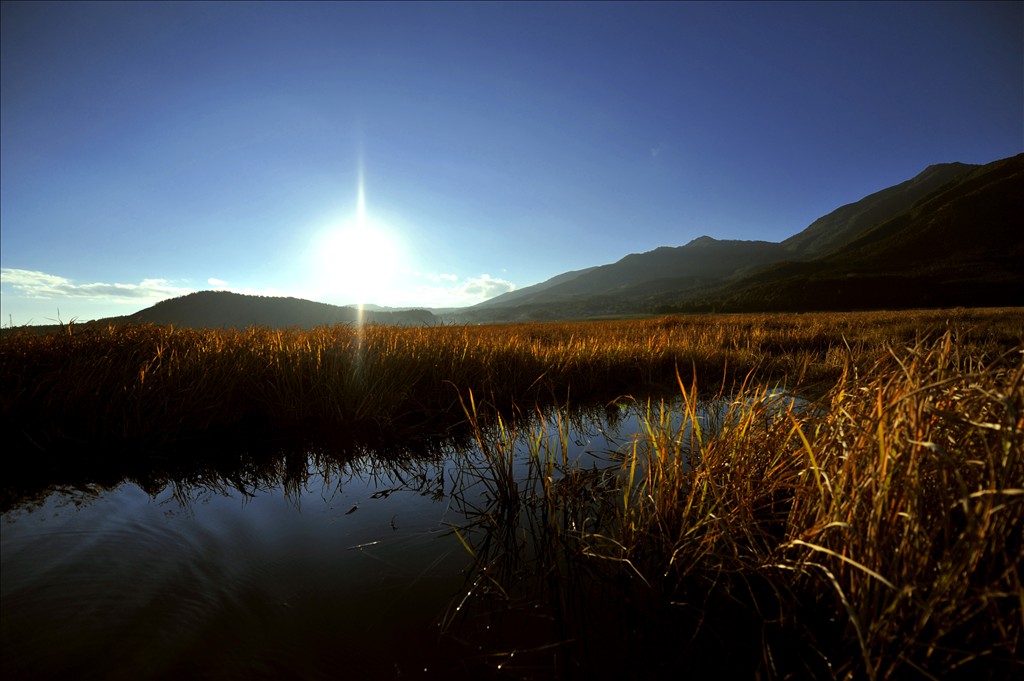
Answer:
(949, 236)
(222, 309)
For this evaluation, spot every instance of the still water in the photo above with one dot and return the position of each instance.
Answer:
(348, 575)
(351, 571)
(131, 586)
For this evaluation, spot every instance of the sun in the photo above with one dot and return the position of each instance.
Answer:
(356, 261)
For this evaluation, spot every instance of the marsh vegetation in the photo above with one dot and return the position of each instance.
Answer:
(812, 496)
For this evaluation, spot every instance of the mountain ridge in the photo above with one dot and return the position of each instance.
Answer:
(949, 236)
(920, 228)
(832, 229)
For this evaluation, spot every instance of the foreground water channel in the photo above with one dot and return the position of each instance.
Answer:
(347, 570)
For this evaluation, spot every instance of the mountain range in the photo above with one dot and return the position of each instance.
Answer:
(951, 236)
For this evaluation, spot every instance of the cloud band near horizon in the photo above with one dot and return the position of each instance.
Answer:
(22, 287)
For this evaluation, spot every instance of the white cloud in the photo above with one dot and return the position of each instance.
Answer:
(485, 286)
(448, 291)
(40, 285)
(213, 281)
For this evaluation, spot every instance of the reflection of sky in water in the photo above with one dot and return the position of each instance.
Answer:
(127, 586)
(364, 566)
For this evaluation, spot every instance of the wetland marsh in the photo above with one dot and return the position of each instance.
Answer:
(640, 498)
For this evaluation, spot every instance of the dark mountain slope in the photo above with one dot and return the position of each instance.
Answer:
(979, 216)
(849, 221)
(949, 236)
(519, 296)
(961, 245)
(221, 309)
(699, 262)
(703, 259)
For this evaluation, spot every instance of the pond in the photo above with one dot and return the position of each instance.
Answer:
(355, 568)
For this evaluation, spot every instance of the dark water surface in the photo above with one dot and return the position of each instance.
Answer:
(129, 586)
(353, 570)
(349, 575)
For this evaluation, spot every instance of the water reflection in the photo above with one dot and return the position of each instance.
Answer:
(541, 603)
(132, 586)
(318, 564)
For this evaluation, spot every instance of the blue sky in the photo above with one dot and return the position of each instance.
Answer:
(149, 150)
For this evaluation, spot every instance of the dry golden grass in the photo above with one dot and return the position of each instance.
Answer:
(153, 385)
(876, 533)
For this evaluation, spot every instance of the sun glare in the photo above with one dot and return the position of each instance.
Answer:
(357, 260)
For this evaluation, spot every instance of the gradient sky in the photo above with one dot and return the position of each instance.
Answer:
(150, 150)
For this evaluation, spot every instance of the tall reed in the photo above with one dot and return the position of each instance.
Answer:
(877, 533)
(910, 515)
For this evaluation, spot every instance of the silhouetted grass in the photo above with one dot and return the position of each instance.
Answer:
(152, 386)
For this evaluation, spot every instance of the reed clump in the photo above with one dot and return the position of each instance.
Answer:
(876, 532)
(909, 515)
